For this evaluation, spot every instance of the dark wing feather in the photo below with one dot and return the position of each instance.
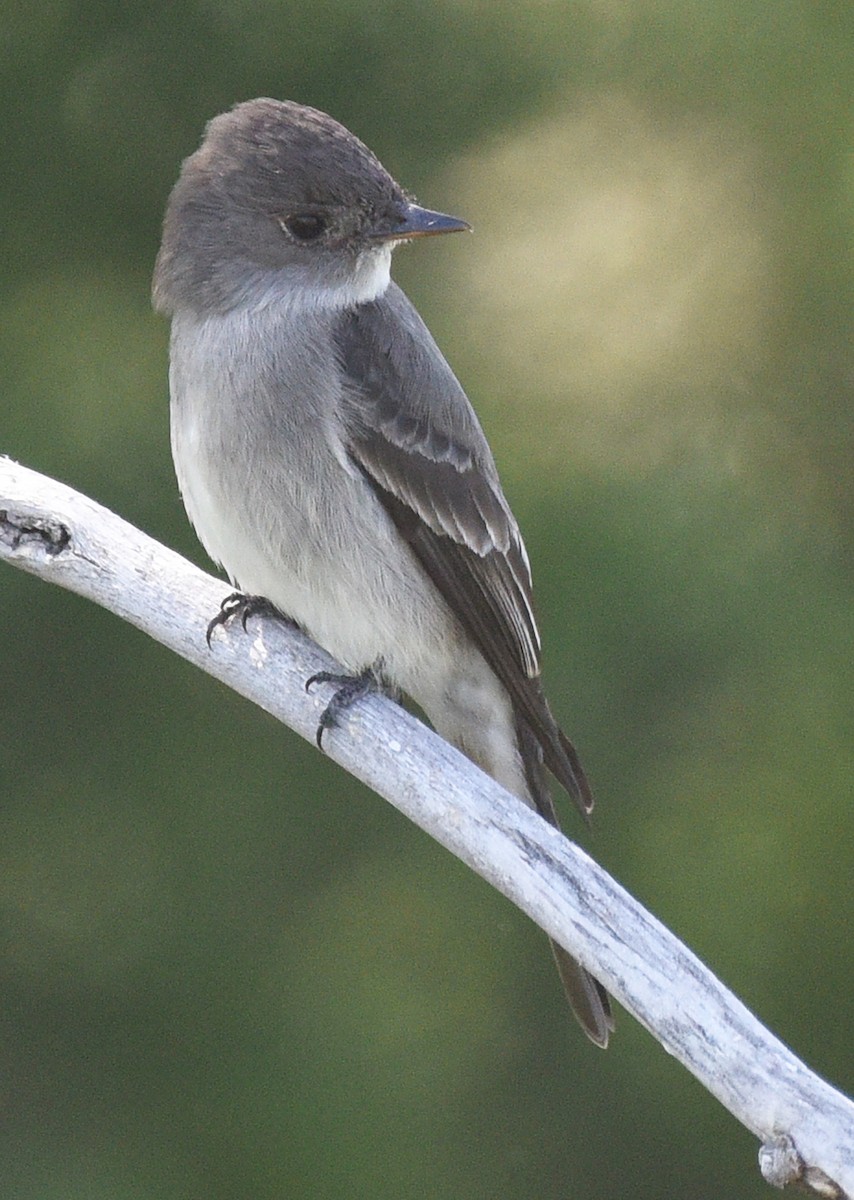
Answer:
(414, 435)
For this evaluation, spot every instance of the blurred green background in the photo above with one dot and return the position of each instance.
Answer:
(229, 972)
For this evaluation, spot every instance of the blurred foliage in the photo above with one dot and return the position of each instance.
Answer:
(228, 971)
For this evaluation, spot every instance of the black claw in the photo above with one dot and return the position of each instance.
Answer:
(238, 605)
(329, 677)
(227, 610)
(350, 689)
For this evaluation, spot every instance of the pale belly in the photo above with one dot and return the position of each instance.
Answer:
(276, 502)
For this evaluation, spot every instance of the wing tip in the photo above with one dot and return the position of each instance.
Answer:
(566, 767)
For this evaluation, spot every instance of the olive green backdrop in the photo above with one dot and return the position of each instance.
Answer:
(229, 972)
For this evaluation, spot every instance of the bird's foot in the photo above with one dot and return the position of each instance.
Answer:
(350, 688)
(236, 604)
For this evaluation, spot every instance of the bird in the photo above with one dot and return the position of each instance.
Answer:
(331, 462)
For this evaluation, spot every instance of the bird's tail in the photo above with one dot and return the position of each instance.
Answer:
(587, 997)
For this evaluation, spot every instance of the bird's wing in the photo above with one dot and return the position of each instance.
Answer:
(412, 432)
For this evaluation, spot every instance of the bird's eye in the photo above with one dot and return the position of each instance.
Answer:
(304, 227)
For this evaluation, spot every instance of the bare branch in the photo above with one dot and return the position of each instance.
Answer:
(806, 1128)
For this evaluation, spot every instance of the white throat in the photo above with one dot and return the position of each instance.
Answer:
(371, 277)
(298, 291)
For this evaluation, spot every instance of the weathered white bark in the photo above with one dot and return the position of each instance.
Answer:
(806, 1128)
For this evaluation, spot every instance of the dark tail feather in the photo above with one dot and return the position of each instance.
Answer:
(589, 1001)
(587, 997)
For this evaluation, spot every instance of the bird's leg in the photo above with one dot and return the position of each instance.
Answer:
(350, 688)
(236, 604)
